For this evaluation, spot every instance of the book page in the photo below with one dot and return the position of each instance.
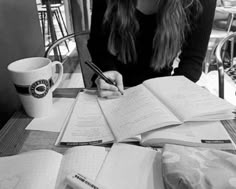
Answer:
(205, 134)
(31, 170)
(129, 166)
(86, 160)
(87, 124)
(137, 111)
(189, 101)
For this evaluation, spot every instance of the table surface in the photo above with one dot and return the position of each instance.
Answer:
(222, 9)
(14, 138)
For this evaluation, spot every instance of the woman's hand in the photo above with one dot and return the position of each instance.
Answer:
(106, 90)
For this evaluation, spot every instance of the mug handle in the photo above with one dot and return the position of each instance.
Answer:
(59, 78)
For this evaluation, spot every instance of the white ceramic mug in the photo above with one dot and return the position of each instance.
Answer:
(32, 78)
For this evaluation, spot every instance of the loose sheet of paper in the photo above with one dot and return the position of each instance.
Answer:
(56, 119)
(87, 123)
(129, 166)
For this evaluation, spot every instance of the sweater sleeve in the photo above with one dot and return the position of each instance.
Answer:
(194, 49)
(97, 43)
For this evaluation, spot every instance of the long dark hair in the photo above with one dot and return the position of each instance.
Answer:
(172, 25)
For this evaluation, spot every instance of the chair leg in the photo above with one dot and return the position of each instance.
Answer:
(208, 60)
(221, 81)
(206, 63)
(60, 26)
(62, 19)
(232, 51)
(48, 29)
(42, 21)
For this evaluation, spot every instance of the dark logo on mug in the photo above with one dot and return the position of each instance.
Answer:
(39, 88)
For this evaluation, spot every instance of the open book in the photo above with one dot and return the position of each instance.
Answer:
(48, 169)
(155, 104)
(162, 102)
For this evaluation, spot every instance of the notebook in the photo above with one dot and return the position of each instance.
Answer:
(130, 166)
(47, 169)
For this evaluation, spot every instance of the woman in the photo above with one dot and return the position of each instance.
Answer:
(135, 40)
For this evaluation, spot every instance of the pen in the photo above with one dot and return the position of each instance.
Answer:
(78, 181)
(100, 74)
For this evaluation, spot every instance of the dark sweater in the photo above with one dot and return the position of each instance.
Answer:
(191, 59)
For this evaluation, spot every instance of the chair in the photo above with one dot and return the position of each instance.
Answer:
(220, 53)
(73, 58)
(222, 27)
(215, 37)
(57, 19)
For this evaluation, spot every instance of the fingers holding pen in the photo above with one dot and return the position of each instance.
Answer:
(102, 85)
(107, 90)
(109, 84)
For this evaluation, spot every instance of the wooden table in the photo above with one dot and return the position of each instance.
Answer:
(14, 138)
